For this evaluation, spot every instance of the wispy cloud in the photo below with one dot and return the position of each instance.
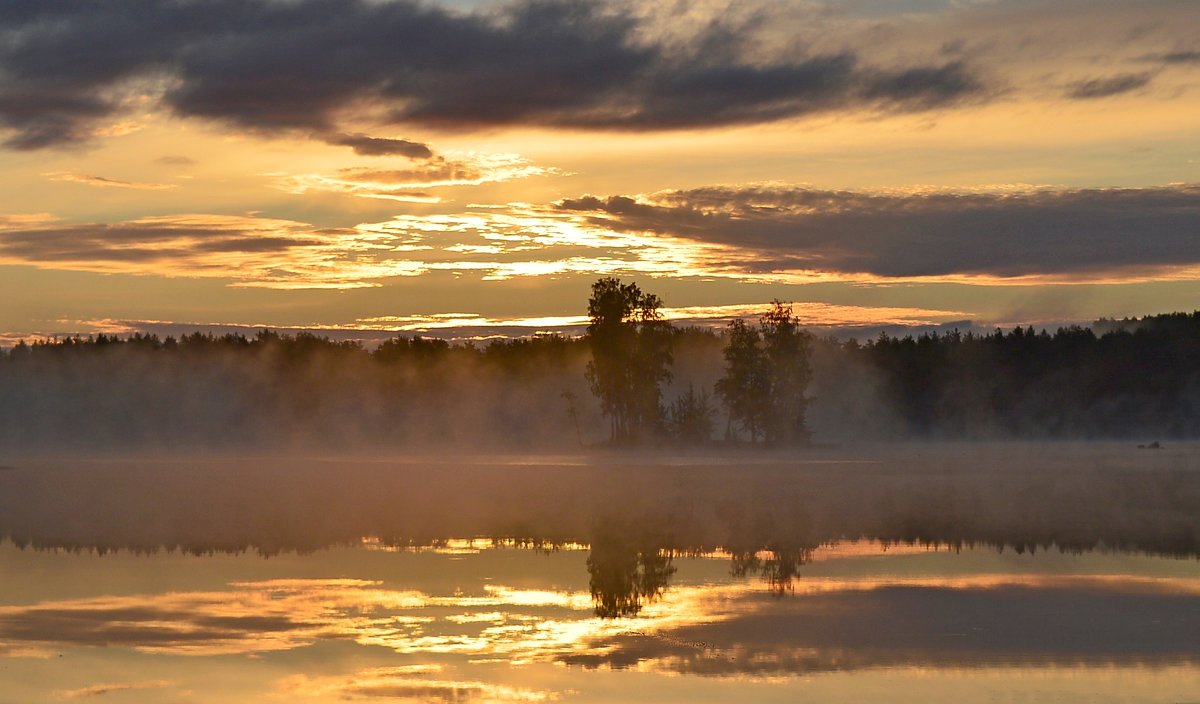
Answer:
(102, 182)
(1109, 85)
(246, 250)
(405, 683)
(405, 184)
(287, 254)
(175, 160)
(97, 690)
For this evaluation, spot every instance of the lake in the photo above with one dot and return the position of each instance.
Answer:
(1023, 573)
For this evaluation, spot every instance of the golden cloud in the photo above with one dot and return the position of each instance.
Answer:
(102, 182)
(406, 184)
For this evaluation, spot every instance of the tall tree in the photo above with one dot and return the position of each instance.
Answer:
(767, 371)
(744, 388)
(631, 356)
(787, 349)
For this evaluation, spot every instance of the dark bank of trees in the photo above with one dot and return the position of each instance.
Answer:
(1136, 378)
(280, 392)
(633, 380)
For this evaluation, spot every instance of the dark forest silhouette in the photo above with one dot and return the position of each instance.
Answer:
(633, 379)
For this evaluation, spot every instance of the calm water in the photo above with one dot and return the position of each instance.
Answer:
(473, 622)
(683, 591)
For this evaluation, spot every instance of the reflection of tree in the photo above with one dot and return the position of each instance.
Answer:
(779, 565)
(626, 572)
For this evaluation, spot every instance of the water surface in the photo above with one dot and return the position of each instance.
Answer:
(916, 578)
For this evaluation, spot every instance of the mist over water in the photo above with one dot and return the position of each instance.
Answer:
(1022, 496)
(312, 521)
(516, 577)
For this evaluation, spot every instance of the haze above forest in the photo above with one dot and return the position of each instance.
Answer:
(634, 380)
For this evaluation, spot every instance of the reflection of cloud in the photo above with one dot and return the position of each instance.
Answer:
(101, 182)
(96, 690)
(252, 617)
(404, 184)
(976, 621)
(401, 683)
(828, 623)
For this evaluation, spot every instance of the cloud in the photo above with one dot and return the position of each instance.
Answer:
(249, 251)
(772, 228)
(307, 66)
(815, 316)
(405, 184)
(1181, 57)
(102, 182)
(403, 683)
(365, 145)
(97, 690)
(769, 232)
(1109, 86)
(175, 160)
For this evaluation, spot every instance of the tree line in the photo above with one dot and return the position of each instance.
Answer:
(633, 379)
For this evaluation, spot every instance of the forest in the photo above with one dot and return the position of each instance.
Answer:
(632, 380)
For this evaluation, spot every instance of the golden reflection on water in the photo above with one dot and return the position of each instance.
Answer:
(854, 610)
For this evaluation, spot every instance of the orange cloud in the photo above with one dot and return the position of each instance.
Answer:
(102, 182)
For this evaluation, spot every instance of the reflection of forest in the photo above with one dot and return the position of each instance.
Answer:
(636, 515)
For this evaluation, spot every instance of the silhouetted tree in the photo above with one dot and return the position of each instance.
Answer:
(767, 371)
(787, 350)
(631, 353)
(745, 387)
(690, 417)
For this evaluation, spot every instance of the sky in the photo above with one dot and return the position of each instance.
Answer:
(398, 166)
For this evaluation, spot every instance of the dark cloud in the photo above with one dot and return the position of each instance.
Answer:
(1111, 85)
(365, 145)
(273, 66)
(1181, 57)
(128, 242)
(923, 234)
